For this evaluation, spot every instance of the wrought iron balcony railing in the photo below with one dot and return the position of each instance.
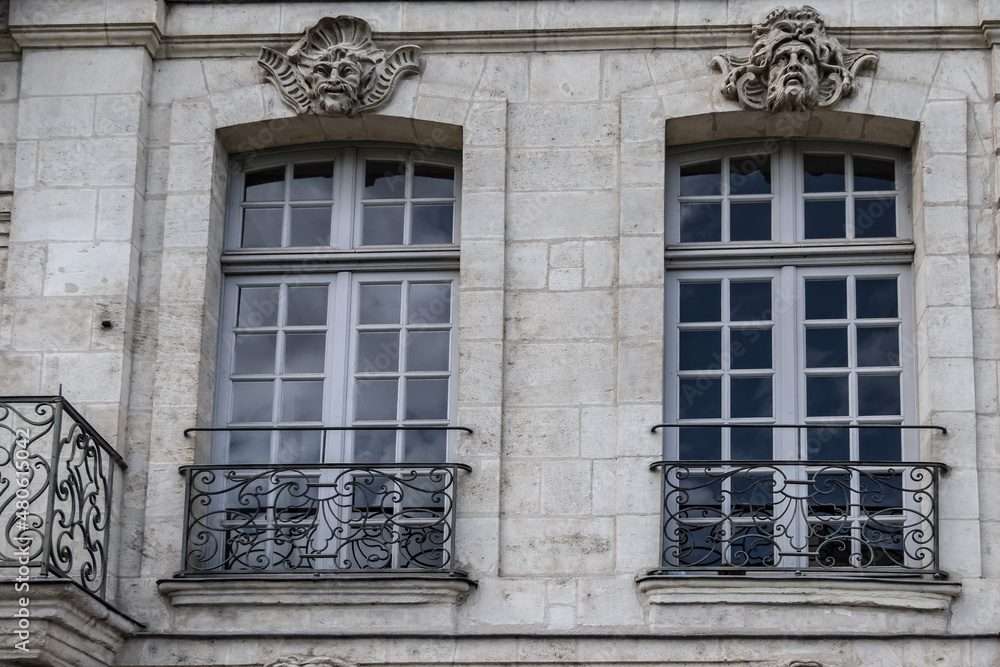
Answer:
(57, 479)
(320, 518)
(844, 517)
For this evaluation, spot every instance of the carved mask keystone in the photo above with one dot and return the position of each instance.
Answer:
(793, 64)
(336, 69)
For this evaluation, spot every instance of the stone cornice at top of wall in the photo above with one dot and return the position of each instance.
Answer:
(146, 35)
(890, 38)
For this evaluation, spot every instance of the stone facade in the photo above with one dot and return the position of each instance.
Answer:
(117, 122)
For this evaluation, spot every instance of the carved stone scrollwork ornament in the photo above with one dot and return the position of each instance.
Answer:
(800, 663)
(336, 69)
(309, 661)
(793, 64)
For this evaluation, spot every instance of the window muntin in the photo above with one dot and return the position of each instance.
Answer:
(331, 343)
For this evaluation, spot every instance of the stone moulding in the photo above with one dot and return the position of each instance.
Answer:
(335, 68)
(309, 661)
(793, 64)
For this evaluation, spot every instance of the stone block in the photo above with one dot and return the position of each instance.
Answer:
(600, 263)
(446, 76)
(572, 126)
(640, 372)
(191, 123)
(635, 438)
(52, 325)
(486, 124)
(241, 105)
(9, 80)
(638, 542)
(482, 215)
(86, 377)
(483, 168)
(560, 316)
(541, 432)
(46, 117)
(948, 332)
(561, 280)
(57, 215)
(520, 481)
(21, 375)
(481, 315)
(562, 169)
(86, 269)
(599, 432)
(566, 487)
(950, 386)
(191, 167)
(116, 211)
(187, 220)
(639, 489)
(607, 597)
(29, 278)
(943, 281)
(54, 72)
(571, 546)
(557, 374)
(642, 165)
(118, 114)
(177, 79)
(505, 602)
(452, 110)
(944, 127)
(88, 162)
(564, 77)
(640, 313)
(556, 215)
(184, 274)
(480, 364)
(640, 260)
(505, 77)
(945, 179)
(476, 547)
(604, 487)
(945, 230)
(482, 264)
(527, 266)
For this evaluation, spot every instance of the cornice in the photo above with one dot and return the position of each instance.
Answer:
(888, 38)
(146, 35)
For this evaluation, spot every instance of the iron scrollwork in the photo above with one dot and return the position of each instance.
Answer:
(847, 517)
(320, 518)
(56, 492)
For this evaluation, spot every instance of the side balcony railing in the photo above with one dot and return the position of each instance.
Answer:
(867, 518)
(57, 484)
(321, 517)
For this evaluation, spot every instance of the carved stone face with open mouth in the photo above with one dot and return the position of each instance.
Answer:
(335, 85)
(793, 79)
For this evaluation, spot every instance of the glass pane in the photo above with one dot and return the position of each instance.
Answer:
(828, 443)
(825, 219)
(375, 399)
(425, 446)
(313, 181)
(430, 303)
(699, 444)
(261, 228)
(830, 494)
(750, 175)
(700, 398)
(428, 351)
(249, 447)
(382, 225)
(880, 444)
(700, 350)
(251, 402)
(878, 395)
(253, 354)
(299, 446)
(750, 221)
(750, 348)
(877, 298)
(874, 218)
(379, 304)
(374, 446)
(302, 401)
(824, 173)
(426, 399)
(385, 179)
(431, 223)
(258, 307)
(750, 397)
(700, 302)
(827, 396)
(310, 226)
(306, 306)
(750, 301)
(751, 444)
(873, 174)
(826, 299)
(826, 347)
(431, 180)
(878, 346)
(305, 353)
(701, 223)
(378, 351)
(704, 178)
(265, 185)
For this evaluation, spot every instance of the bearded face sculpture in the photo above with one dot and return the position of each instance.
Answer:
(336, 69)
(793, 65)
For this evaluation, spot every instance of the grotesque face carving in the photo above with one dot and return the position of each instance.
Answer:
(336, 69)
(793, 78)
(334, 84)
(793, 66)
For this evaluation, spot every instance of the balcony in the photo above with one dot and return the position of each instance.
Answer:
(390, 519)
(855, 518)
(57, 483)
(58, 478)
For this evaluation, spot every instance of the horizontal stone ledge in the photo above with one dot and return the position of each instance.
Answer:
(809, 591)
(146, 35)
